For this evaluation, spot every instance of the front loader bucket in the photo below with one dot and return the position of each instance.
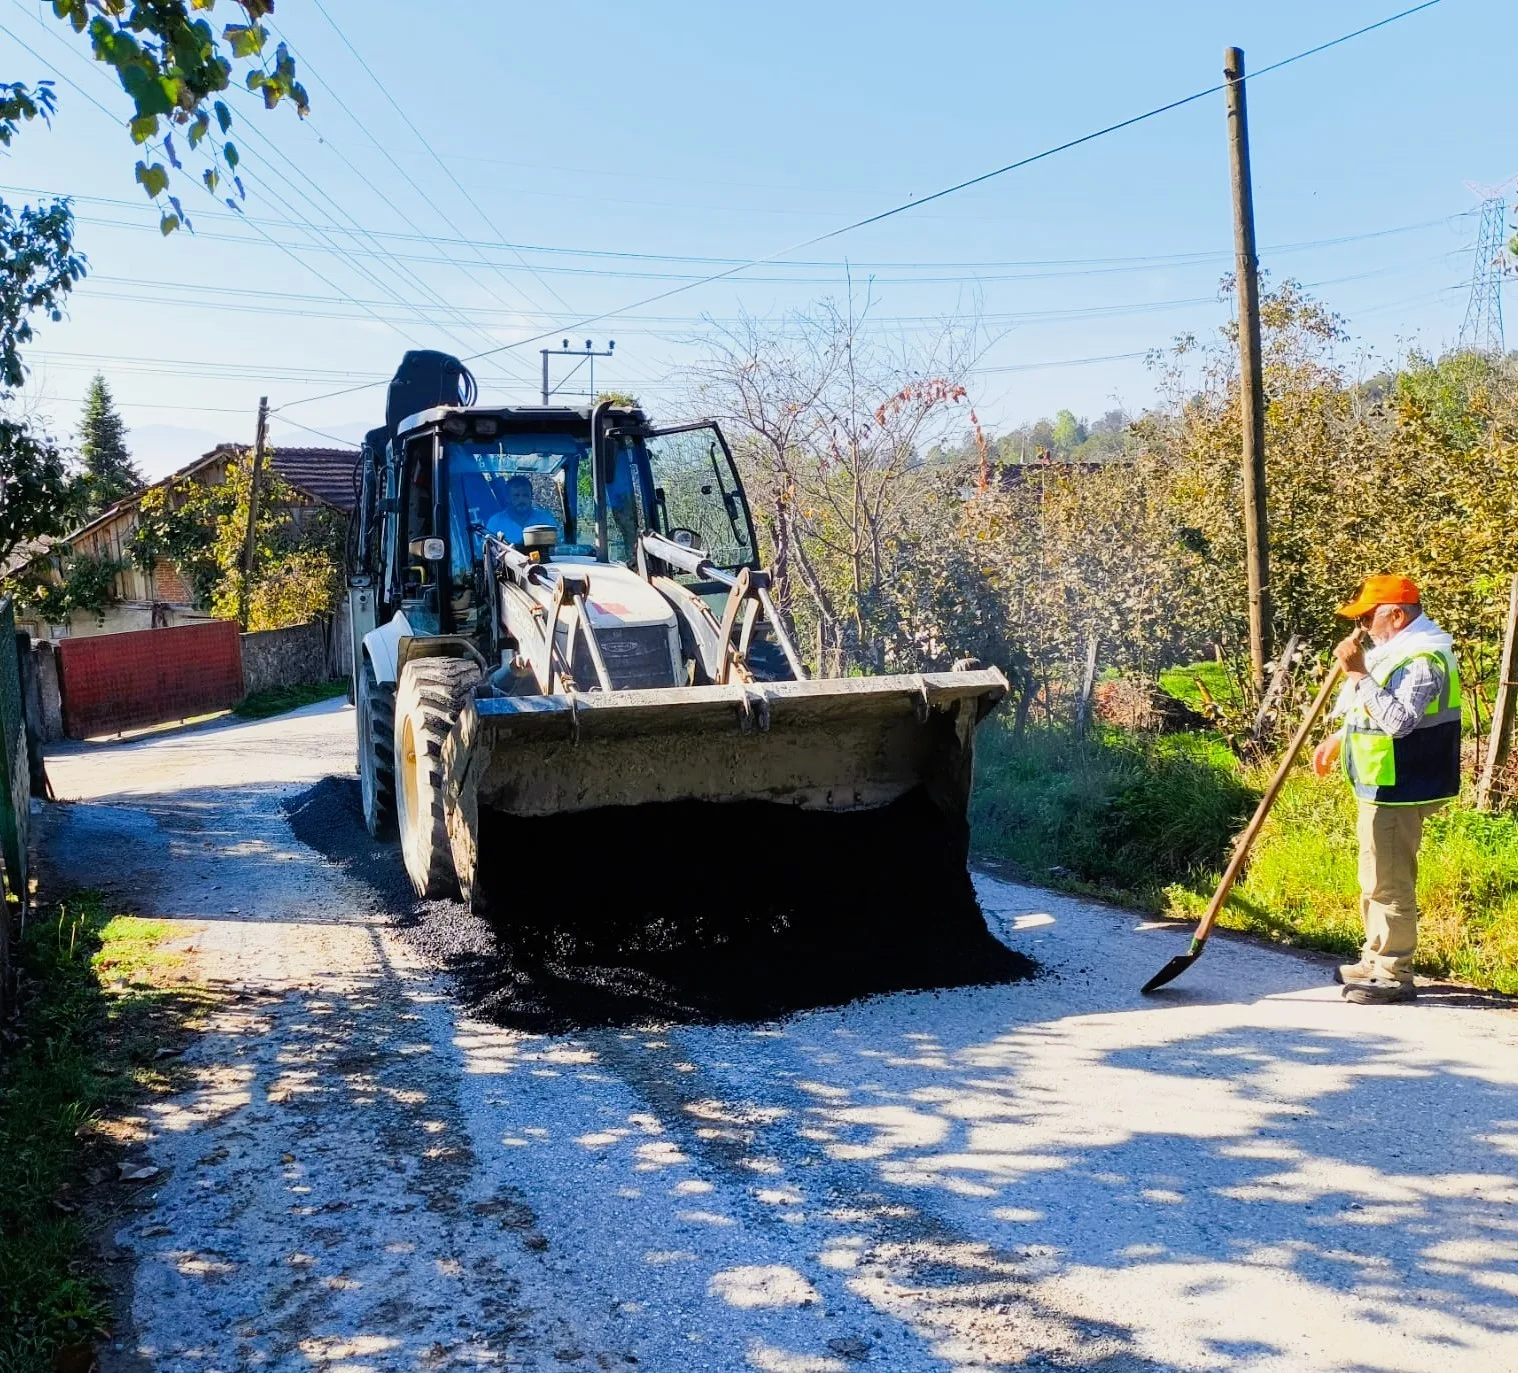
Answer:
(767, 776)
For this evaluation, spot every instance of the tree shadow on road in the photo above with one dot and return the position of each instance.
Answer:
(1231, 1196)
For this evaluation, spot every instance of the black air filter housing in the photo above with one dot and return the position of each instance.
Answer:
(424, 379)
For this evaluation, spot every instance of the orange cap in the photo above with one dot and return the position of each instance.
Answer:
(1381, 590)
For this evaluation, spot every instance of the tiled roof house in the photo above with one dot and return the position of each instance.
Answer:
(319, 477)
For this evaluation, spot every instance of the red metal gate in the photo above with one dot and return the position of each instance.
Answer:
(112, 682)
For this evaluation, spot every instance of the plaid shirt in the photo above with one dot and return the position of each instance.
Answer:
(1399, 705)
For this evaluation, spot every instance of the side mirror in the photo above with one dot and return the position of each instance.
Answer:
(428, 550)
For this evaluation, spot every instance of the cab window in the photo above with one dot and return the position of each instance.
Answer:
(419, 591)
(697, 498)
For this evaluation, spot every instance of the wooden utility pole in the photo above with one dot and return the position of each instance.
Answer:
(1251, 369)
(1505, 707)
(258, 468)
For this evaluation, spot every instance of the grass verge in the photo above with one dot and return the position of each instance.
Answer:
(100, 998)
(1118, 814)
(277, 700)
(1147, 821)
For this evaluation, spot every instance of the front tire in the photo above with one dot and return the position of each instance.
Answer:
(376, 752)
(427, 704)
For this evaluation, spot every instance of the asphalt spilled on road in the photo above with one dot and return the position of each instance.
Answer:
(662, 915)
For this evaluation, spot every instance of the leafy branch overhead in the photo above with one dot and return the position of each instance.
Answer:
(19, 102)
(171, 62)
(38, 268)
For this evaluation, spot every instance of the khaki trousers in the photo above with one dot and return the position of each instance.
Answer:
(1389, 837)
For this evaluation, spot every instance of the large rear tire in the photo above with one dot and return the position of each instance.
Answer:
(376, 752)
(427, 704)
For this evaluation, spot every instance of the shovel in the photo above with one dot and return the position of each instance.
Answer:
(1181, 962)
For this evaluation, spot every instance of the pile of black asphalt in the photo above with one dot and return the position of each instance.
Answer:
(743, 912)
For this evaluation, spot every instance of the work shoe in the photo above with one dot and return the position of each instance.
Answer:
(1350, 973)
(1380, 991)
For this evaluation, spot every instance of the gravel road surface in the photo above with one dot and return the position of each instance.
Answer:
(1244, 1172)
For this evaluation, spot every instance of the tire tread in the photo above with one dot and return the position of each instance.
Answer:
(434, 691)
(379, 703)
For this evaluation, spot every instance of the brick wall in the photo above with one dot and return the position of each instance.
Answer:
(114, 682)
(169, 586)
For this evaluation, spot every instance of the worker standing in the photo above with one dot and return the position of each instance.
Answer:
(1400, 745)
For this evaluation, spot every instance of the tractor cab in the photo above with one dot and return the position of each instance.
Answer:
(455, 476)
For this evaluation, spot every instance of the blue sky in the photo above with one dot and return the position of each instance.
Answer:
(604, 150)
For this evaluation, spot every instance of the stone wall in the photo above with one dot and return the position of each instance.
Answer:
(40, 693)
(284, 657)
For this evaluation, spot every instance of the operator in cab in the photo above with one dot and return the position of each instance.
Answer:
(519, 511)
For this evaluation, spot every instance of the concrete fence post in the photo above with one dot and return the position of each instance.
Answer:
(15, 786)
(31, 712)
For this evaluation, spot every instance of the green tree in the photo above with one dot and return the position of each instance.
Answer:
(297, 553)
(19, 105)
(109, 472)
(87, 582)
(38, 268)
(178, 521)
(37, 494)
(1069, 432)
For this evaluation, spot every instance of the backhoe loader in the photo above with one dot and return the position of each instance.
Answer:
(561, 612)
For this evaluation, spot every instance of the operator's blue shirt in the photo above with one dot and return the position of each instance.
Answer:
(508, 527)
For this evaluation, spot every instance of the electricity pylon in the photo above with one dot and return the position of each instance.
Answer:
(1482, 330)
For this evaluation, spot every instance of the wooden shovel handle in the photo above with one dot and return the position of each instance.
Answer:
(1246, 840)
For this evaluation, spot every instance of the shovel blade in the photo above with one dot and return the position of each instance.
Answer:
(1170, 971)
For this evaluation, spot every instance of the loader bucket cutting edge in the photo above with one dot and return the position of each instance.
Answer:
(844, 744)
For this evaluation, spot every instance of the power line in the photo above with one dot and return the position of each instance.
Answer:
(385, 91)
(382, 254)
(937, 195)
(286, 249)
(662, 328)
(973, 268)
(155, 405)
(197, 367)
(68, 81)
(1136, 267)
(740, 266)
(296, 220)
(1110, 129)
(968, 278)
(320, 433)
(389, 201)
(234, 370)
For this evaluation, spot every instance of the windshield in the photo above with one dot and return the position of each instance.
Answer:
(500, 486)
